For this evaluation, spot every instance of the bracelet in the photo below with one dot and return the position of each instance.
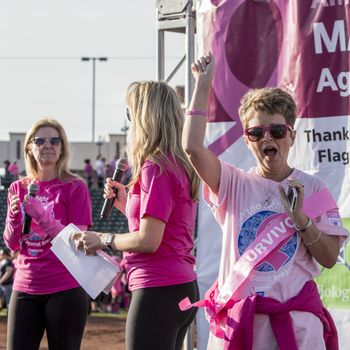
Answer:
(314, 241)
(305, 227)
(196, 112)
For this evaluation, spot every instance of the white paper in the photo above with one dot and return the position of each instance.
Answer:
(95, 273)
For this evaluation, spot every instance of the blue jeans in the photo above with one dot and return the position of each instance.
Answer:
(6, 291)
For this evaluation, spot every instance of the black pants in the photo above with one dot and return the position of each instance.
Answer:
(63, 315)
(155, 321)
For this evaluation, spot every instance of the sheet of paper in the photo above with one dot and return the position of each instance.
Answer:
(94, 273)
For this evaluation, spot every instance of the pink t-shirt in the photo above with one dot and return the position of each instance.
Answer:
(13, 169)
(88, 169)
(38, 270)
(165, 196)
(244, 202)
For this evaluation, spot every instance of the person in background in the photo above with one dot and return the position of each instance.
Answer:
(88, 172)
(6, 277)
(13, 169)
(45, 296)
(161, 211)
(100, 170)
(7, 164)
(109, 170)
(275, 304)
(113, 161)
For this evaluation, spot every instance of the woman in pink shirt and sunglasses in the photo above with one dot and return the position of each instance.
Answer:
(265, 297)
(45, 295)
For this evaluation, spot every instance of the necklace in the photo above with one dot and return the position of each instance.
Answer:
(268, 200)
(269, 195)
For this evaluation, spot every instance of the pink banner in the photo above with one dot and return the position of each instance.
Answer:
(302, 46)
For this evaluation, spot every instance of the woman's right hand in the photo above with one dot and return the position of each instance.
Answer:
(15, 206)
(120, 197)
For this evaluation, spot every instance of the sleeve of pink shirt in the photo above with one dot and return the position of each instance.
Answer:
(157, 192)
(330, 223)
(13, 225)
(79, 209)
(228, 178)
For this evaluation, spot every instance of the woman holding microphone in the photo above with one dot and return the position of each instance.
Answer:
(161, 208)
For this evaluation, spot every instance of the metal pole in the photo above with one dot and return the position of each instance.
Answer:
(93, 97)
(160, 55)
(87, 59)
(189, 82)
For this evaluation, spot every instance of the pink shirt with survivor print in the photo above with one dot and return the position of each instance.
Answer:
(38, 270)
(242, 207)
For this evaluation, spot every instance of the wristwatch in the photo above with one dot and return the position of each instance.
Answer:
(108, 240)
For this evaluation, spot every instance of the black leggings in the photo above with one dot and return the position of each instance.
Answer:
(154, 319)
(63, 315)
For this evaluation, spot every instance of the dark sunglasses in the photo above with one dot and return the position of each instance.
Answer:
(55, 141)
(128, 114)
(277, 131)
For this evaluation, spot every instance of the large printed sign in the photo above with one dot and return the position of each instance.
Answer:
(303, 47)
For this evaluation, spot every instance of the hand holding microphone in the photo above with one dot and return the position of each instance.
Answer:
(121, 167)
(44, 216)
(32, 191)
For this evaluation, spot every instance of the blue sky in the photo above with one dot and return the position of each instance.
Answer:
(41, 72)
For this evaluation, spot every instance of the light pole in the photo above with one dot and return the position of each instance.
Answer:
(99, 144)
(124, 130)
(93, 59)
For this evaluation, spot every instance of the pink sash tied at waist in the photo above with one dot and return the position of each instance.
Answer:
(240, 319)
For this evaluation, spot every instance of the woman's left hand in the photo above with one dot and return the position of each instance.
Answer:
(297, 215)
(33, 207)
(204, 68)
(89, 241)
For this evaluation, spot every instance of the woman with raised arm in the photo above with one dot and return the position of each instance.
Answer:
(161, 208)
(265, 297)
(45, 295)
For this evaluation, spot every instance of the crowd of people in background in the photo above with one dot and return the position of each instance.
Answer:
(96, 177)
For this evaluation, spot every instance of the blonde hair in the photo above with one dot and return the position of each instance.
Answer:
(268, 100)
(156, 128)
(62, 164)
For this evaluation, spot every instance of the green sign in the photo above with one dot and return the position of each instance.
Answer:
(334, 284)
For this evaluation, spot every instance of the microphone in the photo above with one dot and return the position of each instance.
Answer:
(121, 166)
(32, 191)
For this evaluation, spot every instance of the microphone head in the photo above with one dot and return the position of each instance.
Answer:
(122, 165)
(33, 188)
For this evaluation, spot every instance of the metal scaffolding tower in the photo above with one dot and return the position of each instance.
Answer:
(176, 16)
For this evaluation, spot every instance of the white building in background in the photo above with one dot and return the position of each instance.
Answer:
(109, 147)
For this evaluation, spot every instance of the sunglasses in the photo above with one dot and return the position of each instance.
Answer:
(55, 141)
(277, 131)
(128, 114)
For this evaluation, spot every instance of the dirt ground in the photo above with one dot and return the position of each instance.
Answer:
(105, 333)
